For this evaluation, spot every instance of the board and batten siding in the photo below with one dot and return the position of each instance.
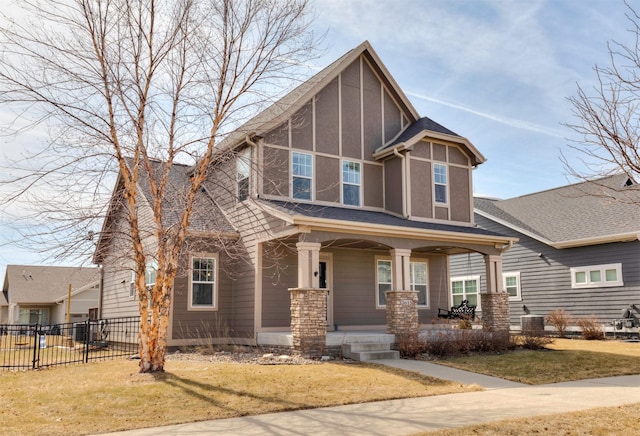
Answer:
(545, 281)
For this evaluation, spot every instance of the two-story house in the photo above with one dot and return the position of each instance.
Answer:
(346, 205)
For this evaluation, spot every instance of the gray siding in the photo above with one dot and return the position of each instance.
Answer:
(546, 282)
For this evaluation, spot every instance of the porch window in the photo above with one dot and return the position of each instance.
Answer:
(418, 272)
(440, 183)
(302, 176)
(243, 165)
(465, 288)
(38, 315)
(383, 280)
(511, 283)
(203, 283)
(597, 276)
(351, 182)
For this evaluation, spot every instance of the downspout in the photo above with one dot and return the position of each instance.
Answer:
(404, 184)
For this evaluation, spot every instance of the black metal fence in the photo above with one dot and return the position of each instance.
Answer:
(34, 346)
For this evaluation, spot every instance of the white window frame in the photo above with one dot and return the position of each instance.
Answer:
(132, 285)
(463, 279)
(378, 283)
(516, 275)
(214, 300)
(299, 176)
(243, 172)
(150, 274)
(441, 183)
(351, 183)
(413, 283)
(602, 270)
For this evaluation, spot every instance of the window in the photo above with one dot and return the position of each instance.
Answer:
(302, 176)
(440, 183)
(465, 288)
(132, 284)
(383, 279)
(150, 273)
(351, 183)
(243, 171)
(33, 316)
(203, 283)
(511, 283)
(597, 276)
(418, 273)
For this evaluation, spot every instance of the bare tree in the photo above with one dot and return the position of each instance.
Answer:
(132, 87)
(608, 115)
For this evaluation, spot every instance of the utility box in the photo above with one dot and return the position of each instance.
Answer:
(532, 324)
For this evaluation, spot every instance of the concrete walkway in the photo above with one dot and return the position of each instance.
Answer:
(501, 400)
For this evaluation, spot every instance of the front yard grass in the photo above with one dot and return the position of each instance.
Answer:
(562, 360)
(112, 396)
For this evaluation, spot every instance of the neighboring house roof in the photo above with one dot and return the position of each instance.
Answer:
(588, 213)
(320, 213)
(283, 109)
(426, 127)
(35, 284)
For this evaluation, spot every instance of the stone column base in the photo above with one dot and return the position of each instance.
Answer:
(402, 312)
(309, 320)
(495, 311)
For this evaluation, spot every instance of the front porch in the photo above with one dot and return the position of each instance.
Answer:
(340, 343)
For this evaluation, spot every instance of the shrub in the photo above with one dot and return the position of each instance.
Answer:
(409, 344)
(591, 328)
(560, 320)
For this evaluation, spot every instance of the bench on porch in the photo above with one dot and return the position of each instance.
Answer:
(462, 311)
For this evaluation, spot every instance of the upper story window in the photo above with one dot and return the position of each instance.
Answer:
(597, 276)
(351, 181)
(132, 284)
(511, 283)
(440, 183)
(302, 176)
(203, 283)
(243, 167)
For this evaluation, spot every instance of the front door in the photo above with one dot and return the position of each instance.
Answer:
(325, 276)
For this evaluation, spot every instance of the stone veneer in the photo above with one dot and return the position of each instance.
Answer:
(309, 320)
(495, 311)
(402, 312)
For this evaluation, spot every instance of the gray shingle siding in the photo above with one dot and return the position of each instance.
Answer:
(546, 282)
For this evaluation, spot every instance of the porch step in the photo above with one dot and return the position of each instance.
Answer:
(369, 351)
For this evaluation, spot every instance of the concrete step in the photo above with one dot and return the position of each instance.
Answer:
(369, 351)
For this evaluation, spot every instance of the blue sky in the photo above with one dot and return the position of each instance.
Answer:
(496, 72)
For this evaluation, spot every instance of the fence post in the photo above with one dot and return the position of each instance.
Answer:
(87, 332)
(36, 345)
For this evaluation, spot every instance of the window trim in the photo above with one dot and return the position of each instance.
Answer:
(475, 277)
(294, 176)
(445, 184)
(602, 269)
(343, 183)
(379, 259)
(214, 304)
(518, 296)
(412, 283)
(132, 285)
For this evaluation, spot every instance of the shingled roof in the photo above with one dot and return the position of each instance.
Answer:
(587, 213)
(37, 284)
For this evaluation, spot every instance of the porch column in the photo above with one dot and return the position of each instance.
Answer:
(308, 303)
(402, 303)
(495, 300)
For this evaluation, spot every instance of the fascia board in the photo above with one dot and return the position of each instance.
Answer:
(395, 231)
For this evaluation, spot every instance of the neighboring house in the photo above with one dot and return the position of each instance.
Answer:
(578, 250)
(38, 294)
(339, 187)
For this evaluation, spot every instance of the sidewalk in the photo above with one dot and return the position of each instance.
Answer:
(501, 400)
